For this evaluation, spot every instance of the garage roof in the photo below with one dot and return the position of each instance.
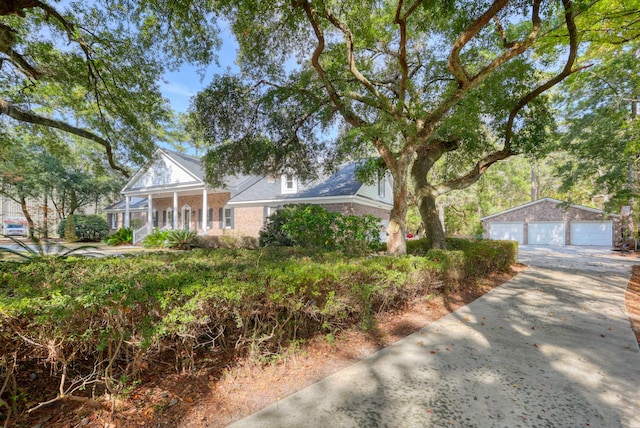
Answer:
(557, 201)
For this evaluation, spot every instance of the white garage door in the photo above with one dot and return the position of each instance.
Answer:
(546, 233)
(591, 233)
(507, 231)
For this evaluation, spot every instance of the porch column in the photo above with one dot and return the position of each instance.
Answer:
(205, 208)
(150, 212)
(127, 201)
(175, 210)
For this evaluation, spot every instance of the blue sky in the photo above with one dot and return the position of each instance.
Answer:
(179, 86)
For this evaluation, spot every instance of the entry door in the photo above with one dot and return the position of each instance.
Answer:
(186, 217)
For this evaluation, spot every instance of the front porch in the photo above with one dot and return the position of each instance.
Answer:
(198, 210)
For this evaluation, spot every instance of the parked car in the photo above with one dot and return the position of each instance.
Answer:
(15, 229)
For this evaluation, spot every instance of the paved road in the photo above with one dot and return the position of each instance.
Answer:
(551, 348)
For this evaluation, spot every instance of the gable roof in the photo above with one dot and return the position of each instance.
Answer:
(342, 183)
(136, 204)
(190, 163)
(556, 201)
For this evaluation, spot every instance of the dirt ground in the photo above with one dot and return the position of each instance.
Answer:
(215, 397)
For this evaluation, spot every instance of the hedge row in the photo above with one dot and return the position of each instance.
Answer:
(111, 314)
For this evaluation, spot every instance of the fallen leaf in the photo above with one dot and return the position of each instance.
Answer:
(433, 352)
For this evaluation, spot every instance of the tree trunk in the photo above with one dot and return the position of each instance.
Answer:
(396, 237)
(434, 233)
(45, 226)
(25, 212)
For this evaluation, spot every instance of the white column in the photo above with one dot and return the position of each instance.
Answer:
(175, 210)
(150, 212)
(205, 210)
(127, 201)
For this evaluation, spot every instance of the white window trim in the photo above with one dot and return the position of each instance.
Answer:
(225, 218)
(284, 180)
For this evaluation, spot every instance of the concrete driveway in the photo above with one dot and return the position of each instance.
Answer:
(551, 348)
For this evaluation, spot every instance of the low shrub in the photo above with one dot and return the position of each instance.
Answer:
(121, 237)
(228, 242)
(84, 228)
(156, 239)
(181, 239)
(111, 314)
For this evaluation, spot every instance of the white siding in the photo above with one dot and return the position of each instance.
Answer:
(163, 172)
(371, 191)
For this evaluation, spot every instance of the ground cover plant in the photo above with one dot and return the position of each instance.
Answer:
(94, 325)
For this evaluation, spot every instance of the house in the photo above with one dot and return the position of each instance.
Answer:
(549, 221)
(170, 193)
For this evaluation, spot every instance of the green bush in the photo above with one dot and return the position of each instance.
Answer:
(231, 302)
(86, 228)
(227, 241)
(122, 236)
(181, 239)
(312, 226)
(156, 239)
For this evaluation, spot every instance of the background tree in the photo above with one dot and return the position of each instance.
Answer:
(91, 69)
(414, 81)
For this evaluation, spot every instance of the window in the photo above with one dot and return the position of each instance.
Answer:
(155, 218)
(114, 221)
(170, 217)
(382, 184)
(289, 184)
(210, 218)
(226, 218)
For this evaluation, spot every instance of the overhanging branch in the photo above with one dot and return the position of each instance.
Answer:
(29, 117)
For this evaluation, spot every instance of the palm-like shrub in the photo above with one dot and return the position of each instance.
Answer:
(121, 237)
(45, 249)
(181, 239)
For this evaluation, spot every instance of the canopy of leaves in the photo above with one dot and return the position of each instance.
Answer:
(92, 69)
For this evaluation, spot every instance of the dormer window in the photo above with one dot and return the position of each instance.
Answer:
(289, 184)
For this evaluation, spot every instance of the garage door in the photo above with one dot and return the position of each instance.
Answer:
(506, 231)
(546, 233)
(591, 233)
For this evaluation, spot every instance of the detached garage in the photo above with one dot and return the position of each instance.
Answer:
(552, 222)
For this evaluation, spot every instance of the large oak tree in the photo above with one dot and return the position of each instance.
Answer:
(424, 83)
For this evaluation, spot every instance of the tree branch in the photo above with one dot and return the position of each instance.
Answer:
(483, 164)
(454, 64)
(29, 117)
(349, 115)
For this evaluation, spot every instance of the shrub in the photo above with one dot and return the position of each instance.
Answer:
(87, 228)
(215, 303)
(122, 236)
(181, 239)
(156, 239)
(229, 242)
(312, 226)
